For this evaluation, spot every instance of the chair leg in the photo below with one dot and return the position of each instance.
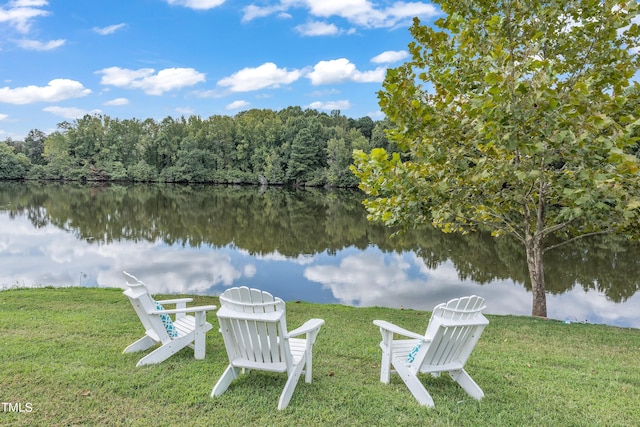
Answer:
(200, 336)
(467, 383)
(412, 381)
(307, 366)
(221, 386)
(290, 386)
(165, 351)
(385, 365)
(142, 344)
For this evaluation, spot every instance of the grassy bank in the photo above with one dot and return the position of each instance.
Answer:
(61, 360)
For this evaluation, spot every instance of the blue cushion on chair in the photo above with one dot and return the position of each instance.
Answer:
(167, 322)
(412, 354)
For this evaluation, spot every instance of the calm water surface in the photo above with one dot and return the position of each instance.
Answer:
(310, 245)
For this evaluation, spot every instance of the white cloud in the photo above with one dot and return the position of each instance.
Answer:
(342, 70)
(326, 92)
(117, 101)
(267, 75)
(213, 93)
(343, 8)
(109, 29)
(317, 28)
(29, 3)
(152, 84)
(252, 12)
(38, 45)
(21, 13)
(70, 112)
(3, 117)
(301, 259)
(123, 77)
(330, 105)
(236, 105)
(390, 56)
(376, 115)
(249, 270)
(401, 11)
(383, 278)
(197, 4)
(371, 278)
(363, 12)
(185, 111)
(359, 12)
(171, 78)
(56, 90)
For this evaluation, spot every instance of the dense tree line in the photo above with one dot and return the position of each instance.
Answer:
(292, 146)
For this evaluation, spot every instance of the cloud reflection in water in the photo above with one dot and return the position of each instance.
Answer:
(50, 256)
(373, 278)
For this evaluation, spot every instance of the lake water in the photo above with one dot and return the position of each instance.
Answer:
(311, 245)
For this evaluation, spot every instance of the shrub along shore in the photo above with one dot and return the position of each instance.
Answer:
(62, 364)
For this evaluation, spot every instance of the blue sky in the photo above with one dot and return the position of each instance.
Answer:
(61, 59)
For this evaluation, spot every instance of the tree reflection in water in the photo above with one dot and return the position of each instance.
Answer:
(204, 238)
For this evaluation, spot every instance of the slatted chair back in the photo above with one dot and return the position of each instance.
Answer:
(253, 326)
(143, 303)
(454, 330)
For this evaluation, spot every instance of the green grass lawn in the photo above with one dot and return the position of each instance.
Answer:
(61, 360)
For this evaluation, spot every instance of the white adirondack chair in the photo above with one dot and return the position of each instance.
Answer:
(253, 325)
(453, 331)
(185, 330)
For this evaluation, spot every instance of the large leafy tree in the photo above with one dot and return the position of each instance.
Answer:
(34, 146)
(516, 116)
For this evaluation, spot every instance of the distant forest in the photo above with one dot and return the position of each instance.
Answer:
(288, 147)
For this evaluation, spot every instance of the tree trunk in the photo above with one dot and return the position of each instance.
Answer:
(535, 264)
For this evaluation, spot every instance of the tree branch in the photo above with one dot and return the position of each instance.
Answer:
(595, 233)
(555, 228)
(507, 226)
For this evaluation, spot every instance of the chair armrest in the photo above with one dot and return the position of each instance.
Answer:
(308, 326)
(390, 327)
(185, 310)
(176, 301)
